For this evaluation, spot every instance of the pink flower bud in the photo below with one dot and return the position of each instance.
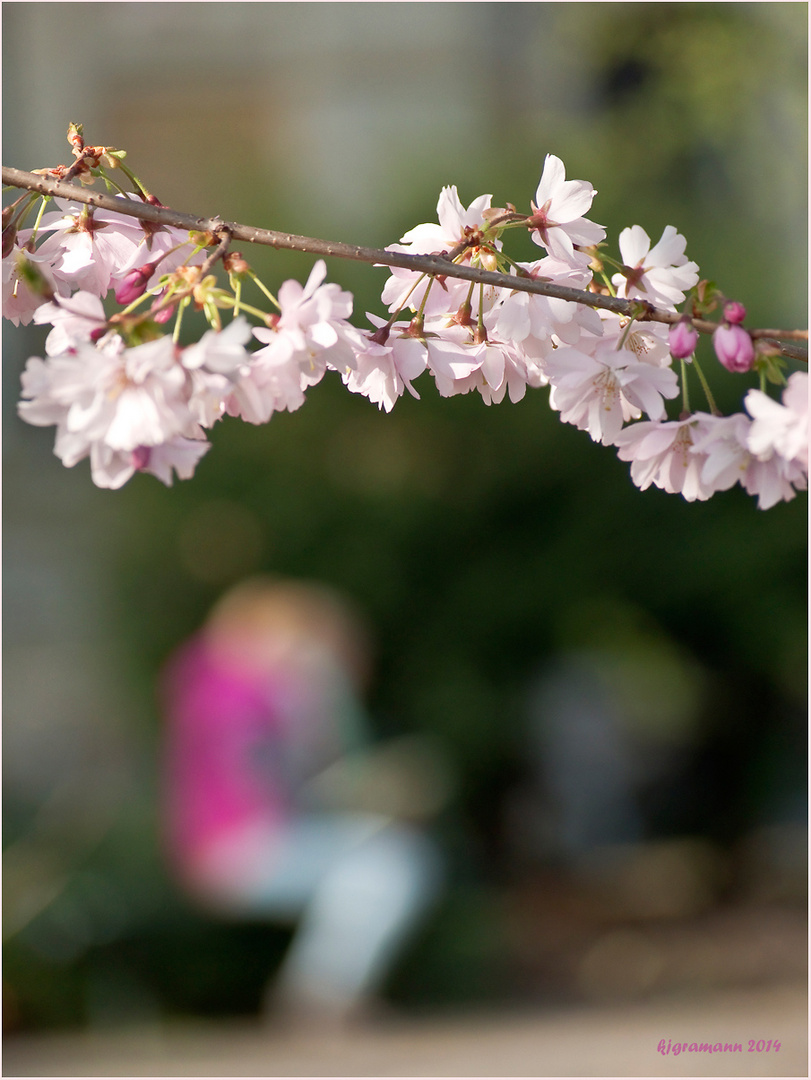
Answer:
(164, 315)
(134, 284)
(683, 339)
(734, 348)
(734, 311)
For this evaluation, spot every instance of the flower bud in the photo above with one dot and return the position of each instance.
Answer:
(234, 263)
(734, 348)
(164, 314)
(76, 136)
(9, 240)
(734, 311)
(683, 339)
(134, 284)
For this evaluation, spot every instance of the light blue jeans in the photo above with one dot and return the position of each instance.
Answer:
(356, 884)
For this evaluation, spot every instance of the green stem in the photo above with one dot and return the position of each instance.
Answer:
(239, 305)
(705, 386)
(608, 283)
(625, 335)
(181, 307)
(43, 203)
(481, 333)
(396, 314)
(212, 314)
(685, 394)
(138, 301)
(108, 180)
(421, 312)
(260, 285)
(130, 175)
(518, 224)
(612, 262)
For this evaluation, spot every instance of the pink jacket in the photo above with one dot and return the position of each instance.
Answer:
(223, 758)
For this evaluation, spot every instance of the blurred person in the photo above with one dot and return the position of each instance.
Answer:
(276, 804)
(582, 758)
(614, 721)
(613, 754)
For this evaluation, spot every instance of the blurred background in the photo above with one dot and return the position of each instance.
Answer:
(617, 678)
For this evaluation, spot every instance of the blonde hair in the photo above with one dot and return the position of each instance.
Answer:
(265, 607)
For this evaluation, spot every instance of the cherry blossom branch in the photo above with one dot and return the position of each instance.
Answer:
(436, 265)
(154, 400)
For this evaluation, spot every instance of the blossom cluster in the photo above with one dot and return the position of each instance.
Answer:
(129, 397)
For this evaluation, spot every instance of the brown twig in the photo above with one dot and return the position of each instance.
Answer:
(438, 265)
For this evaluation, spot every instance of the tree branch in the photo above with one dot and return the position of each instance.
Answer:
(436, 265)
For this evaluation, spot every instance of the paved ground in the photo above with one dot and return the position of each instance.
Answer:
(587, 1041)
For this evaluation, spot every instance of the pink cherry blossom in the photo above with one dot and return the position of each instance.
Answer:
(135, 398)
(724, 443)
(773, 480)
(269, 383)
(212, 366)
(781, 428)
(134, 409)
(535, 323)
(113, 468)
(660, 274)
(28, 283)
(39, 406)
(384, 371)
(500, 369)
(161, 251)
(557, 221)
(600, 392)
(178, 454)
(503, 370)
(312, 330)
(221, 351)
(79, 317)
(648, 341)
(87, 251)
(454, 359)
(125, 399)
(661, 453)
(456, 223)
